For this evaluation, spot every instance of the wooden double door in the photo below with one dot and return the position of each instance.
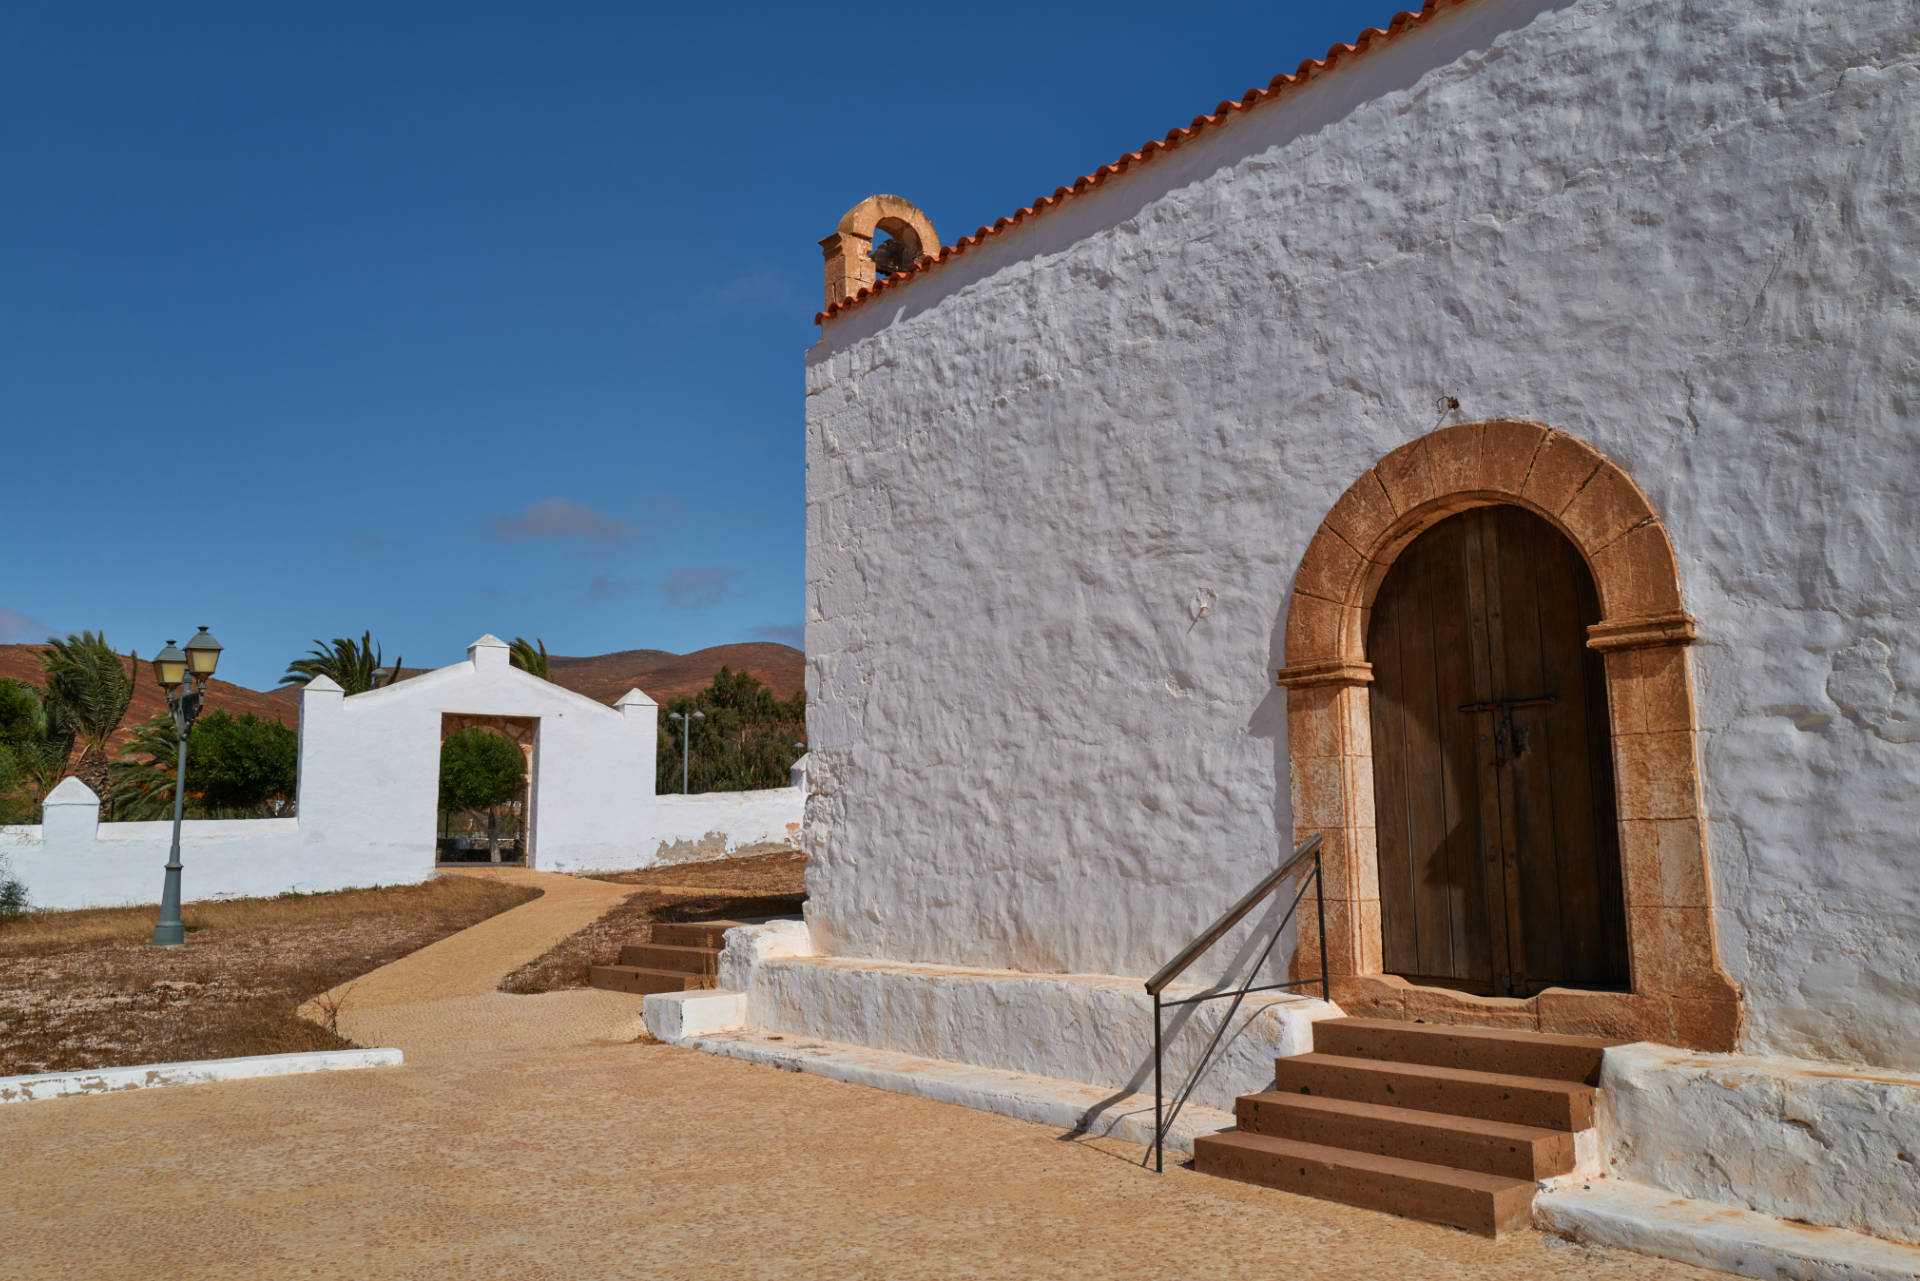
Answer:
(1492, 763)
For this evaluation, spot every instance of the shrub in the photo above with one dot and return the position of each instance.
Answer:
(13, 895)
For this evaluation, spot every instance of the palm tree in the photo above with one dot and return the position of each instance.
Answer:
(528, 659)
(90, 688)
(352, 665)
(37, 737)
(143, 789)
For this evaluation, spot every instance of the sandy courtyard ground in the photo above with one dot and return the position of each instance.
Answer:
(649, 1161)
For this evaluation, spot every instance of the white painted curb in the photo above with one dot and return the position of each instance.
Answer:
(57, 1085)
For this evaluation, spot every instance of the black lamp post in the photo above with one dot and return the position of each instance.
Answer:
(185, 677)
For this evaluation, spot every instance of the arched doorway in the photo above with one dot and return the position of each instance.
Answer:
(1676, 991)
(1499, 862)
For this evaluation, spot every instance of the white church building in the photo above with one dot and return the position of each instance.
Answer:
(1493, 450)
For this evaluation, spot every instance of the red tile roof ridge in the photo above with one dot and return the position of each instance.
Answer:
(1308, 70)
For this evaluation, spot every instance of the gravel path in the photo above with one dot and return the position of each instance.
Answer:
(649, 1161)
(441, 1002)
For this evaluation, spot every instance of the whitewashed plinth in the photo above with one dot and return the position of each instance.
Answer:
(675, 1016)
(1821, 1143)
(1092, 1029)
(1744, 1242)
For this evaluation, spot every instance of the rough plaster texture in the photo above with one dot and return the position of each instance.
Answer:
(1058, 487)
(369, 794)
(1794, 1140)
(1083, 1028)
(60, 1085)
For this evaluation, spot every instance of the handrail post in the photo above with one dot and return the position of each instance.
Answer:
(1320, 907)
(1159, 1104)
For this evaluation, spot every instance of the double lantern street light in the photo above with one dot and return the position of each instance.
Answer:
(185, 677)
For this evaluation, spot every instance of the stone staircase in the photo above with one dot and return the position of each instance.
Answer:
(1453, 1125)
(681, 956)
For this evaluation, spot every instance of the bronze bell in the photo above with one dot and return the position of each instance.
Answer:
(891, 257)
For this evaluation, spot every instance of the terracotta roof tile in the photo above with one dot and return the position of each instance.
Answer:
(1369, 39)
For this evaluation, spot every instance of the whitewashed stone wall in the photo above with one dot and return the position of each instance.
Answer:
(369, 792)
(1685, 232)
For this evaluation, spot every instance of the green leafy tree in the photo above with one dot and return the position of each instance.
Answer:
(90, 688)
(481, 770)
(237, 767)
(36, 743)
(745, 742)
(242, 767)
(354, 666)
(19, 708)
(528, 659)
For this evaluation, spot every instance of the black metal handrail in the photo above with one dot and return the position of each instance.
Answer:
(1309, 851)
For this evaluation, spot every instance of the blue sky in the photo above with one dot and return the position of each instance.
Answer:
(446, 319)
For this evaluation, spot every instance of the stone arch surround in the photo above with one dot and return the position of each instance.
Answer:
(848, 267)
(1679, 995)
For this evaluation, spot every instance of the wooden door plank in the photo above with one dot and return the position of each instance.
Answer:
(1581, 945)
(1488, 664)
(1387, 712)
(1524, 560)
(1426, 793)
(1470, 946)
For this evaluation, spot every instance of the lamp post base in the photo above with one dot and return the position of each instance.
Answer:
(170, 932)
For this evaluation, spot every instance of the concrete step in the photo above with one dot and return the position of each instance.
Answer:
(1474, 1049)
(1493, 1096)
(1462, 1142)
(692, 933)
(641, 980)
(1488, 1204)
(672, 956)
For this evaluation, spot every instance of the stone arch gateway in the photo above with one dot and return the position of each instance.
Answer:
(1677, 991)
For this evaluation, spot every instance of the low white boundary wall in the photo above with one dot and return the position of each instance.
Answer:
(708, 825)
(368, 800)
(73, 860)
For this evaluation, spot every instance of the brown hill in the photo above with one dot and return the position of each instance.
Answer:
(22, 663)
(663, 676)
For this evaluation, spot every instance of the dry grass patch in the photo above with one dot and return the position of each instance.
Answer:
(85, 989)
(758, 885)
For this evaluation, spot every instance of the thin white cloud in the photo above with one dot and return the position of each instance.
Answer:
(604, 588)
(17, 628)
(794, 634)
(554, 519)
(696, 590)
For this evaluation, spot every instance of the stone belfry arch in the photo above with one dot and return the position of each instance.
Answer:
(1679, 994)
(850, 266)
